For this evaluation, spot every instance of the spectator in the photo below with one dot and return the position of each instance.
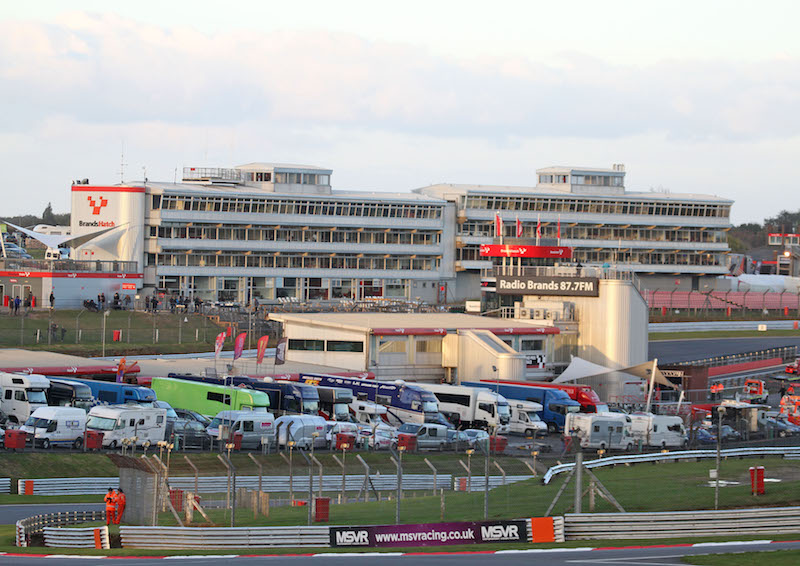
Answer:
(17, 303)
(10, 306)
(27, 305)
(126, 302)
(52, 300)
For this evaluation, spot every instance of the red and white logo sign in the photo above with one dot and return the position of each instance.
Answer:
(129, 286)
(97, 205)
(496, 250)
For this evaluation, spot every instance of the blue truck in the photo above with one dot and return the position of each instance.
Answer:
(555, 402)
(112, 393)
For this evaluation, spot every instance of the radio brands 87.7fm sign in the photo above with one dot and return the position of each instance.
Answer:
(560, 286)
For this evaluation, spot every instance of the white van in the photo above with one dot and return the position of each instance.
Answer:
(256, 427)
(56, 426)
(56, 254)
(145, 424)
(606, 431)
(429, 436)
(663, 431)
(304, 430)
(21, 395)
(525, 420)
(332, 428)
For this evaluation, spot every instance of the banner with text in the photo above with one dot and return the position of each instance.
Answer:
(511, 250)
(431, 534)
(561, 286)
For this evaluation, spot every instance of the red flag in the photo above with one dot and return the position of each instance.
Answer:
(498, 225)
(519, 228)
(229, 331)
(218, 343)
(261, 347)
(538, 227)
(558, 232)
(280, 352)
(238, 346)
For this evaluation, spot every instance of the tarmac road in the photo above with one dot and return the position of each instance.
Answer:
(674, 351)
(644, 556)
(10, 514)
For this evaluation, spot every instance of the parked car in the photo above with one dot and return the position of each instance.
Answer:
(730, 434)
(458, 440)
(188, 415)
(191, 434)
(781, 427)
(383, 439)
(428, 435)
(703, 436)
(476, 435)
(334, 428)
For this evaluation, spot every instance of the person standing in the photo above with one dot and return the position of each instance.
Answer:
(120, 506)
(111, 505)
(17, 302)
(52, 300)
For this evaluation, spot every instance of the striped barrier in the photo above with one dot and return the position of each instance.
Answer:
(60, 537)
(26, 528)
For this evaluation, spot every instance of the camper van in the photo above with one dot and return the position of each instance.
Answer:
(21, 395)
(116, 422)
(56, 426)
(256, 427)
(606, 431)
(304, 430)
(368, 412)
(662, 431)
(525, 419)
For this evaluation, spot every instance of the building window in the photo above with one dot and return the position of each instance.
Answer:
(345, 346)
(308, 345)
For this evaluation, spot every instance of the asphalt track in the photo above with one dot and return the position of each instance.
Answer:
(674, 351)
(10, 514)
(584, 556)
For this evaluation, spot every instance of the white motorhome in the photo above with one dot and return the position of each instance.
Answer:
(606, 431)
(303, 430)
(21, 395)
(368, 412)
(116, 422)
(658, 430)
(56, 426)
(471, 407)
(524, 418)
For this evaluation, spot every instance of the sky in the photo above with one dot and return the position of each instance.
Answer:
(693, 97)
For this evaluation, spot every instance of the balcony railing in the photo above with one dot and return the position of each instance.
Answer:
(69, 265)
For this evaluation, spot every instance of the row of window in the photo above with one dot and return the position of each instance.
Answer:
(595, 206)
(295, 261)
(624, 256)
(326, 345)
(283, 205)
(594, 232)
(595, 180)
(275, 233)
(289, 178)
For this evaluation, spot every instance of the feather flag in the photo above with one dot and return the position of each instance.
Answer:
(498, 225)
(519, 228)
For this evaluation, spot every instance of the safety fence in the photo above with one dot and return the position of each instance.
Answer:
(218, 484)
(26, 528)
(718, 325)
(721, 300)
(215, 538)
(5, 485)
(773, 356)
(677, 524)
(785, 451)
(60, 537)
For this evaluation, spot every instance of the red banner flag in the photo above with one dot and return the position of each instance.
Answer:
(558, 232)
(538, 227)
(261, 347)
(498, 225)
(280, 352)
(238, 346)
(218, 343)
(519, 228)
(229, 331)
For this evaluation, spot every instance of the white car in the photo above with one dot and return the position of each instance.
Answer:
(476, 436)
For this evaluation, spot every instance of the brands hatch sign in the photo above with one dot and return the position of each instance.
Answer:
(559, 286)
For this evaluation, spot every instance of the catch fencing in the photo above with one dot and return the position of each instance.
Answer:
(31, 526)
(785, 451)
(216, 538)
(60, 537)
(770, 521)
(271, 484)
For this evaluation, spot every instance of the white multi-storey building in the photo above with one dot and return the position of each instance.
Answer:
(271, 231)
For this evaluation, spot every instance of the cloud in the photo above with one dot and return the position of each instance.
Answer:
(108, 69)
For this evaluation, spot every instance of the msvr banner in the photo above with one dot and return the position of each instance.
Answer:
(430, 534)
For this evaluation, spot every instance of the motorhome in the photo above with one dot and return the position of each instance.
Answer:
(662, 431)
(208, 398)
(21, 395)
(368, 412)
(334, 403)
(118, 422)
(56, 426)
(605, 431)
(471, 407)
(525, 418)
(404, 402)
(256, 427)
(555, 403)
(304, 430)
(69, 393)
(113, 393)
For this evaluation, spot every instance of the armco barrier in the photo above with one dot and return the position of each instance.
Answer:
(60, 537)
(784, 451)
(218, 484)
(479, 481)
(5, 485)
(771, 521)
(25, 528)
(215, 538)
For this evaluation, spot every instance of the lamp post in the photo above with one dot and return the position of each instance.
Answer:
(105, 316)
(720, 414)
(290, 444)
(344, 446)
(469, 469)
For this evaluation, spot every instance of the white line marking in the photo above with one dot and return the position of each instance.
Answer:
(540, 550)
(630, 561)
(195, 556)
(368, 554)
(732, 543)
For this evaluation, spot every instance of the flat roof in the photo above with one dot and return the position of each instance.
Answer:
(414, 323)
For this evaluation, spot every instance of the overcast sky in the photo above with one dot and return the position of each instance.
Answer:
(695, 97)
